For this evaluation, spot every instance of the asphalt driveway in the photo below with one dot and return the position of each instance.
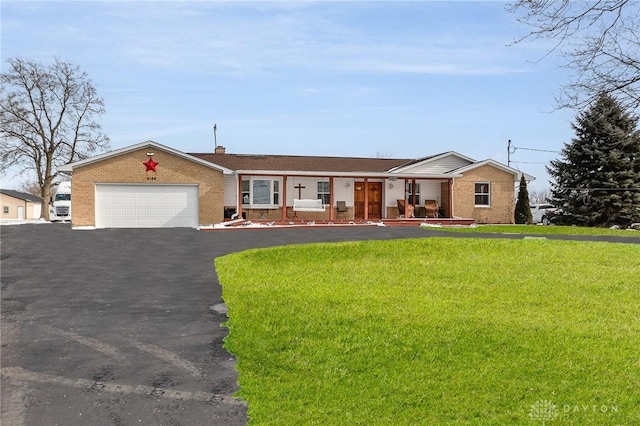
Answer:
(114, 327)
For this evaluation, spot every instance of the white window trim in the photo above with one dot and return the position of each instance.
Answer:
(321, 193)
(251, 204)
(486, 206)
(411, 192)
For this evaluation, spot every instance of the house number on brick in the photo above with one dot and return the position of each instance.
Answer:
(150, 166)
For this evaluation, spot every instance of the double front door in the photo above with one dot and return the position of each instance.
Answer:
(374, 200)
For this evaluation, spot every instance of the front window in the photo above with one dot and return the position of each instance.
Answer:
(482, 194)
(276, 192)
(262, 192)
(245, 191)
(324, 192)
(5, 209)
(413, 194)
(63, 197)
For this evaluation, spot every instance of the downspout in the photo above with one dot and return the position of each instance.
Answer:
(238, 197)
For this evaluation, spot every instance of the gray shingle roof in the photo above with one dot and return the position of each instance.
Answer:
(302, 163)
(21, 195)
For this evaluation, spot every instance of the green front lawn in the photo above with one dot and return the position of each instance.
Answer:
(541, 229)
(436, 331)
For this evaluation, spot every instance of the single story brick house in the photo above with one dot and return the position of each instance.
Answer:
(152, 185)
(20, 205)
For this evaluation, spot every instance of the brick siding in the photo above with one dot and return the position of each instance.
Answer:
(128, 168)
(502, 193)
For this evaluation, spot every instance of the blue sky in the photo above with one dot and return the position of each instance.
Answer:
(342, 78)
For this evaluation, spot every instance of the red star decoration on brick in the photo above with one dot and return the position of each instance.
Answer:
(151, 165)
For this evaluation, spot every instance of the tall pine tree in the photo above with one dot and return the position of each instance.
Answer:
(597, 180)
(523, 208)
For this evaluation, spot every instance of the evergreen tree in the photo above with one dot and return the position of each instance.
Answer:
(523, 208)
(597, 180)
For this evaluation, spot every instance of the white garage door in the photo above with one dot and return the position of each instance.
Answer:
(146, 206)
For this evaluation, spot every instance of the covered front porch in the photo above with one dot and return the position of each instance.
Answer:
(346, 198)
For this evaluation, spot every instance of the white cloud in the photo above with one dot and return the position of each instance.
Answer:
(267, 37)
(300, 74)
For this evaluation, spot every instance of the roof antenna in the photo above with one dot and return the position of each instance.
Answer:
(215, 138)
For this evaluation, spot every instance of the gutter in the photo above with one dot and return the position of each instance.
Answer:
(384, 175)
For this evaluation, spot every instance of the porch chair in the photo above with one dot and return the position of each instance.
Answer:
(341, 207)
(401, 209)
(432, 208)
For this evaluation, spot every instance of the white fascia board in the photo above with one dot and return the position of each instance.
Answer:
(429, 176)
(527, 177)
(68, 168)
(383, 175)
(309, 173)
(431, 160)
(497, 165)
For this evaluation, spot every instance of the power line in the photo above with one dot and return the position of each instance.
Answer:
(527, 162)
(511, 149)
(534, 149)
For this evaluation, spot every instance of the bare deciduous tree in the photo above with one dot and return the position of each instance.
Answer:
(31, 187)
(539, 196)
(47, 119)
(600, 41)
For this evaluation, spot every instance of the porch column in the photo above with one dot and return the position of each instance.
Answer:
(331, 199)
(366, 198)
(413, 194)
(406, 198)
(285, 216)
(451, 198)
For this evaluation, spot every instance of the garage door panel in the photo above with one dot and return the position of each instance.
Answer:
(130, 222)
(146, 206)
(155, 222)
(179, 202)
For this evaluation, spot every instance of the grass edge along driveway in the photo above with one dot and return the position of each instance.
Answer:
(540, 230)
(436, 331)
